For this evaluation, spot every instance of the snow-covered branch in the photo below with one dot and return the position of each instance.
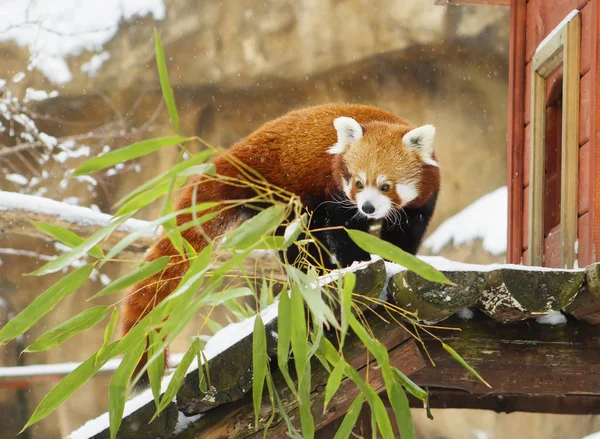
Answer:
(18, 210)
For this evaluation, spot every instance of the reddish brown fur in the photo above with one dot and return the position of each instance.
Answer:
(294, 148)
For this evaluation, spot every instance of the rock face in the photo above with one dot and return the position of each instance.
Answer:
(235, 65)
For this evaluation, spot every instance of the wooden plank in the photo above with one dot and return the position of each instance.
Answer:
(522, 358)
(585, 101)
(542, 17)
(551, 204)
(583, 186)
(583, 243)
(524, 220)
(527, 115)
(594, 200)
(570, 141)
(587, 42)
(552, 248)
(516, 109)
(526, 155)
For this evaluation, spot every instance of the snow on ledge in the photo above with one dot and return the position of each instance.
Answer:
(12, 201)
(557, 29)
(485, 219)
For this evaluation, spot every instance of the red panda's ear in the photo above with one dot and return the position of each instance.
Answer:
(349, 132)
(421, 139)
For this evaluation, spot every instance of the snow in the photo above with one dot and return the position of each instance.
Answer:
(465, 314)
(93, 65)
(557, 29)
(31, 94)
(480, 434)
(54, 30)
(592, 436)
(552, 318)
(17, 179)
(485, 219)
(11, 201)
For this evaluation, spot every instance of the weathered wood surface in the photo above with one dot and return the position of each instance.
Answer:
(517, 359)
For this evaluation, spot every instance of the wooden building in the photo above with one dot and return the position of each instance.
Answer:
(553, 177)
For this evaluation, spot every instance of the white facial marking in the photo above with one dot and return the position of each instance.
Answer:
(407, 192)
(421, 139)
(349, 132)
(371, 195)
(381, 179)
(347, 187)
(363, 178)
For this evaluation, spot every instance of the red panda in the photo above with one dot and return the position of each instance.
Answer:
(351, 166)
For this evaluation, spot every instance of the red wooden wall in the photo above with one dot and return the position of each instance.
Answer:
(531, 21)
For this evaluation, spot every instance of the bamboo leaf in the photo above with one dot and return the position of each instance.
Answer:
(294, 229)
(68, 258)
(44, 303)
(345, 428)
(259, 364)
(179, 374)
(147, 197)
(256, 227)
(386, 250)
(178, 169)
(464, 363)
(164, 82)
(69, 384)
(223, 296)
(334, 381)
(66, 330)
(142, 273)
(284, 335)
(67, 237)
(409, 385)
(118, 386)
(346, 308)
(130, 152)
(399, 403)
(155, 369)
(108, 333)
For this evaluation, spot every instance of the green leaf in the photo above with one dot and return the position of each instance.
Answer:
(386, 250)
(108, 333)
(294, 229)
(346, 308)
(130, 152)
(66, 330)
(255, 228)
(345, 428)
(142, 273)
(399, 403)
(155, 369)
(67, 237)
(44, 303)
(464, 363)
(69, 384)
(178, 169)
(259, 364)
(334, 381)
(118, 386)
(164, 82)
(147, 197)
(284, 334)
(223, 296)
(409, 385)
(68, 258)
(179, 374)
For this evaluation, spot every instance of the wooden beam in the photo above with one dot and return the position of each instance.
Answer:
(526, 362)
(473, 2)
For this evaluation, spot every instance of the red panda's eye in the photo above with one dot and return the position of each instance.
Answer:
(385, 187)
(359, 185)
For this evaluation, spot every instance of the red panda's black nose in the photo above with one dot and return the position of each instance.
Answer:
(368, 208)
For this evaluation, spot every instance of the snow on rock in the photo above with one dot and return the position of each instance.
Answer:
(465, 314)
(592, 436)
(552, 318)
(11, 201)
(485, 219)
(31, 94)
(54, 30)
(17, 179)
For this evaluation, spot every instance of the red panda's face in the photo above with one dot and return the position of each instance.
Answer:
(383, 164)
